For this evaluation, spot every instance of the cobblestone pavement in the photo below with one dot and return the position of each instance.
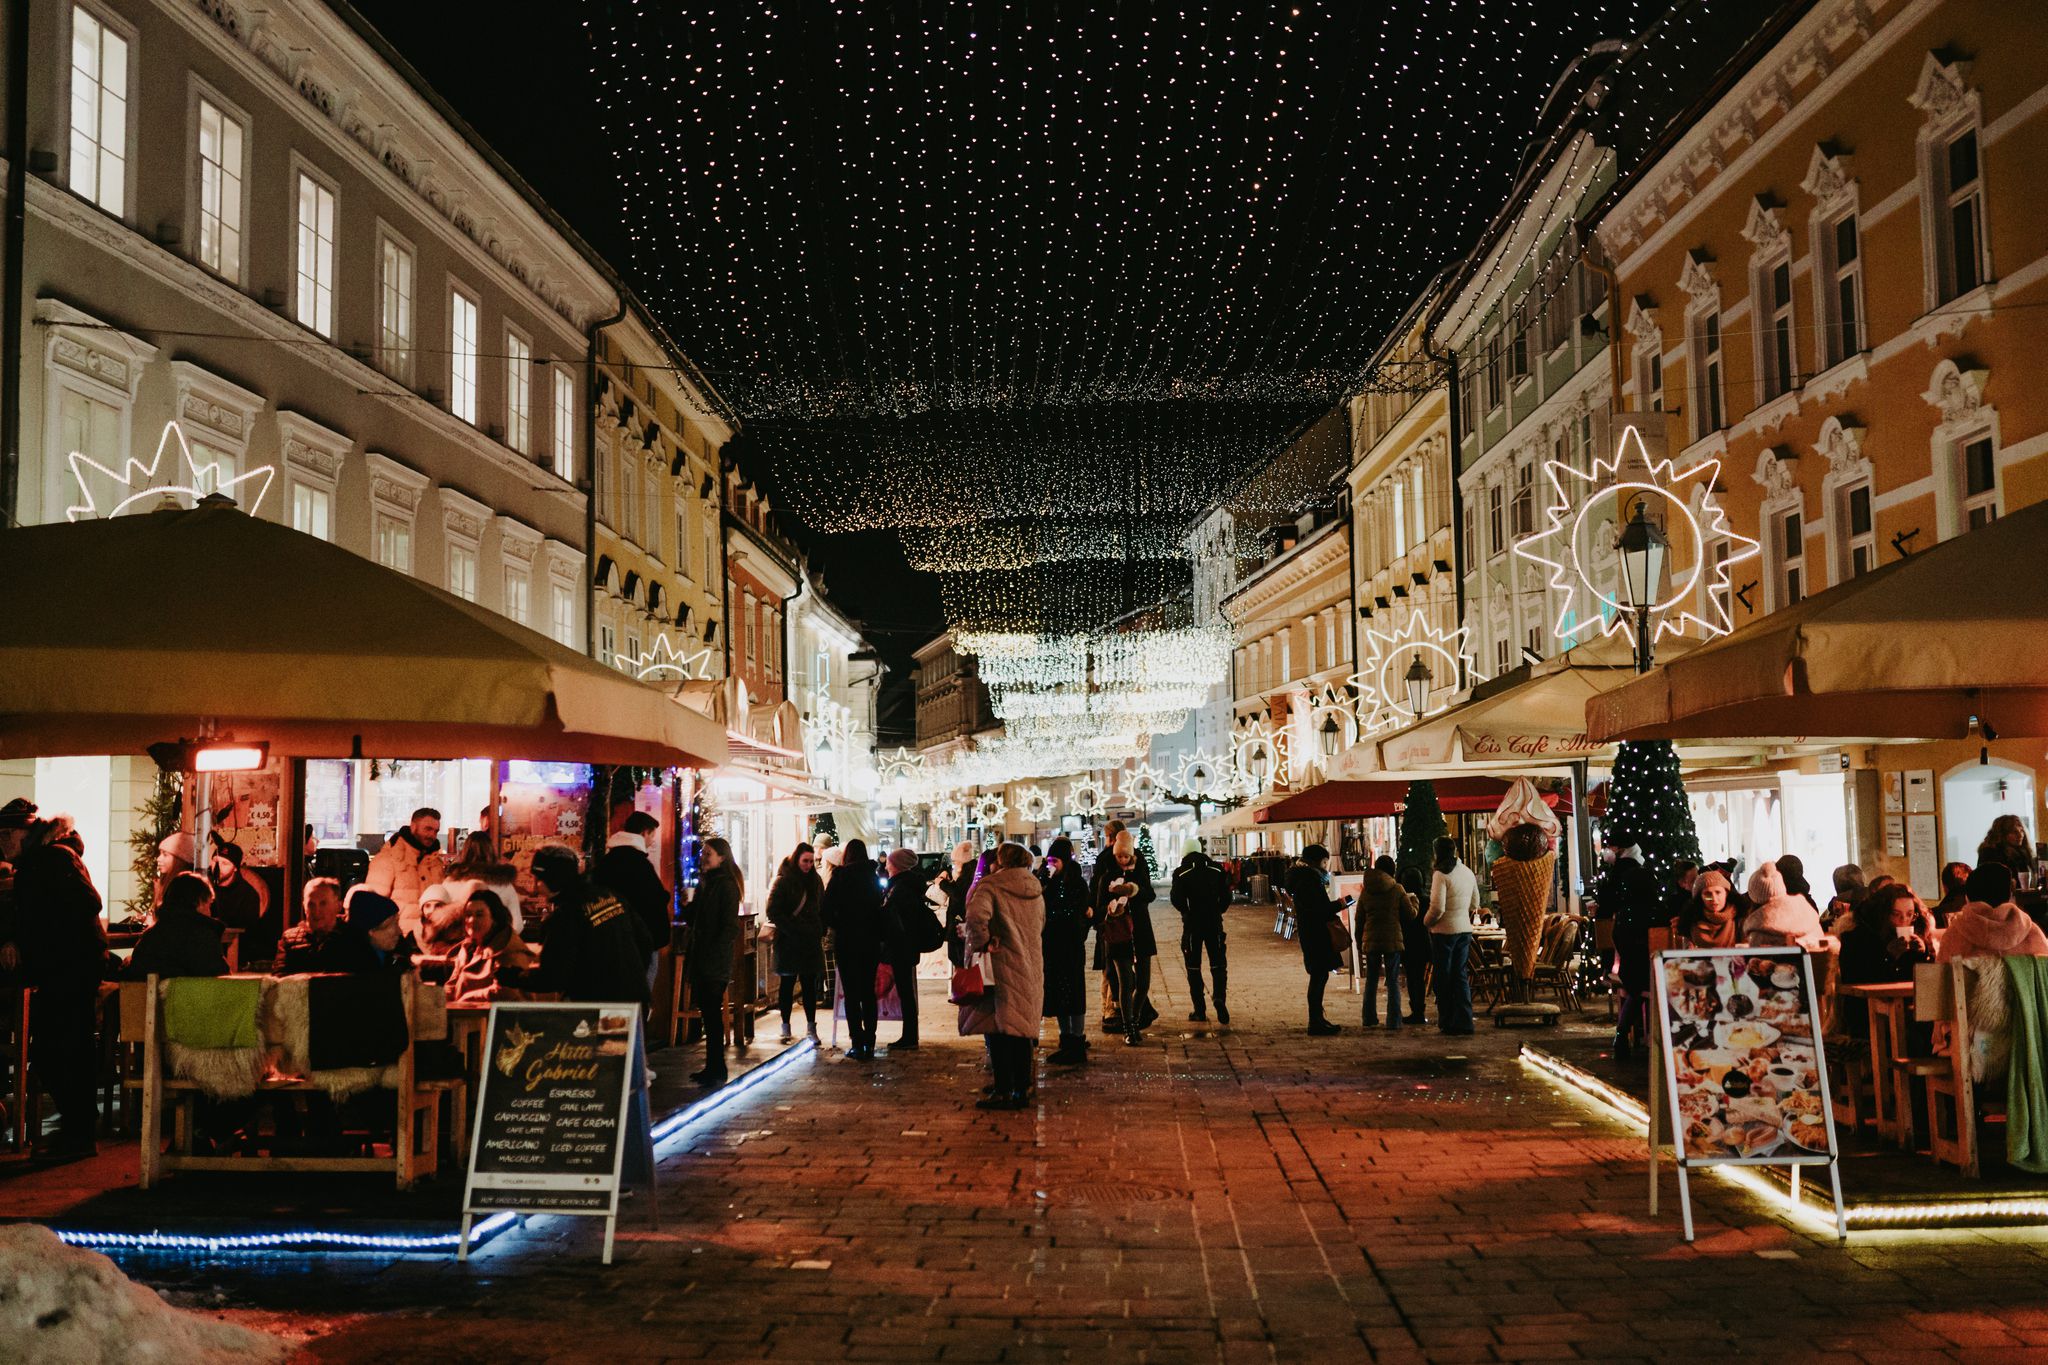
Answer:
(1243, 1195)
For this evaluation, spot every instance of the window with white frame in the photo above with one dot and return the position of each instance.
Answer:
(99, 112)
(563, 410)
(518, 393)
(1978, 458)
(1329, 638)
(1501, 661)
(1398, 507)
(630, 660)
(1286, 655)
(682, 552)
(1518, 343)
(563, 614)
(1471, 532)
(1421, 518)
(518, 594)
(650, 508)
(220, 150)
(1468, 402)
(462, 570)
(753, 629)
(1959, 227)
(607, 644)
(1708, 413)
(1789, 533)
(1650, 378)
(396, 269)
(394, 542)
(312, 511)
(1555, 299)
(627, 482)
(1525, 499)
(1496, 519)
(1774, 303)
(313, 255)
(1496, 369)
(1859, 529)
(464, 329)
(1839, 263)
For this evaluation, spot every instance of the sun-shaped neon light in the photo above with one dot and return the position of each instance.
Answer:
(1035, 804)
(1085, 799)
(1142, 786)
(990, 810)
(1260, 761)
(663, 661)
(1382, 683)
(1204, 776)
(1578, 544)
(137, 481)
(948, 813)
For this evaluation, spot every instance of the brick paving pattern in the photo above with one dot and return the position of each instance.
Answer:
(1249, 1194)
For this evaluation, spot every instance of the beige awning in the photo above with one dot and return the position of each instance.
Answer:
(1242, 820)
(179, 624)
(1914, 649)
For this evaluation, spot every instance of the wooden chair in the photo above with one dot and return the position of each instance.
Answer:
(1557, 961)
(1956, 1107)
(416, 1128)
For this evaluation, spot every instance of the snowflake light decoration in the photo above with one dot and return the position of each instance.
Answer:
(664, 661)
(990, 810)
(1586, 515)
(136, 482)
(1035, 804)
(1141, 786)
(1084, 799)
(1382, 683)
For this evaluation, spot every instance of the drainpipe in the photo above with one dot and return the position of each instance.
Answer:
(17, 258)
(591, 390)
(1449, 361)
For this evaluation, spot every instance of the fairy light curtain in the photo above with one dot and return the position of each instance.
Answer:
(1034, 286)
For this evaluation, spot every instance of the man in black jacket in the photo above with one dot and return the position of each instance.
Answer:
(1201, 892)
(596, 948)
(906, 922)
(64, 953)
(626, 869)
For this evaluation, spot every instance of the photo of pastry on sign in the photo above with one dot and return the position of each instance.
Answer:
(1743, 1051)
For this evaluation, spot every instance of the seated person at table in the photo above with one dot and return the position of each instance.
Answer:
(305, 943)
(185, 939)
(1954, 878)
(1892, 934)
(1989, 924)
(371, 940)
(491, 954)
(1782, 918)
(441, 920)
(1709, 917)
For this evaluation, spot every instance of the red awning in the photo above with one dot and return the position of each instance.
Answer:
(1354, 800)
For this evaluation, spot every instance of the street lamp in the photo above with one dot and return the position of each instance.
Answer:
(1643, 548)
(1331, 735)
(1419, 681)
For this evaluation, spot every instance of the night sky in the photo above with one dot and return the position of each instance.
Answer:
(1070, 269)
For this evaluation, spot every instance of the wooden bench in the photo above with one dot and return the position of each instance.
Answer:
(416, 1114)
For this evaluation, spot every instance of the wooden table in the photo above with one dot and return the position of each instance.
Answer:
(1889, 1004)
(466, 1025)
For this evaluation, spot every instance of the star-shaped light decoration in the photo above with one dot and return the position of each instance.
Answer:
(1141, 787)
(1084, 799)
(1579, 545)
(1382, 684)
(1035, 804)
(136, 483)
(664, 661)
(989, 809)
(947, 813)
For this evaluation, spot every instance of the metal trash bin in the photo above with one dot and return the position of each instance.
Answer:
(1262, 889)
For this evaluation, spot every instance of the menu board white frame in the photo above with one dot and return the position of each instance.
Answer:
(606, 1186)
(1664, 1088)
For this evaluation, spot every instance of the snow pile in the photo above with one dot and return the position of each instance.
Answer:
(64, 1305)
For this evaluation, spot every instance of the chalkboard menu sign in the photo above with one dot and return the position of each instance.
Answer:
(551, 1111)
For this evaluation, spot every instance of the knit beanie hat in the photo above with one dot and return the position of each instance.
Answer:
(181, 846)
(902, 860)
(367, 909)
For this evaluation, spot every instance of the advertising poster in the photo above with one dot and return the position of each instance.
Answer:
(1742, 1069)
(1743, 1056)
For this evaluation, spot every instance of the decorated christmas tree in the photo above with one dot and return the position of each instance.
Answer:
(1646, 805)
(1422, 824)
(1147, 851)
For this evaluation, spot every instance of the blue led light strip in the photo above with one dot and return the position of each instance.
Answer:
(440, 1241)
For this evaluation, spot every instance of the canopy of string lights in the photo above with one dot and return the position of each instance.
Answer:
(1032, 286)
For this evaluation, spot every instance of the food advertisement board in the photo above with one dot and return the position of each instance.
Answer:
(1747, 1079)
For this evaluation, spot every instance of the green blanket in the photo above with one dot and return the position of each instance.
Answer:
(2026, 1085)
(211, 1011)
